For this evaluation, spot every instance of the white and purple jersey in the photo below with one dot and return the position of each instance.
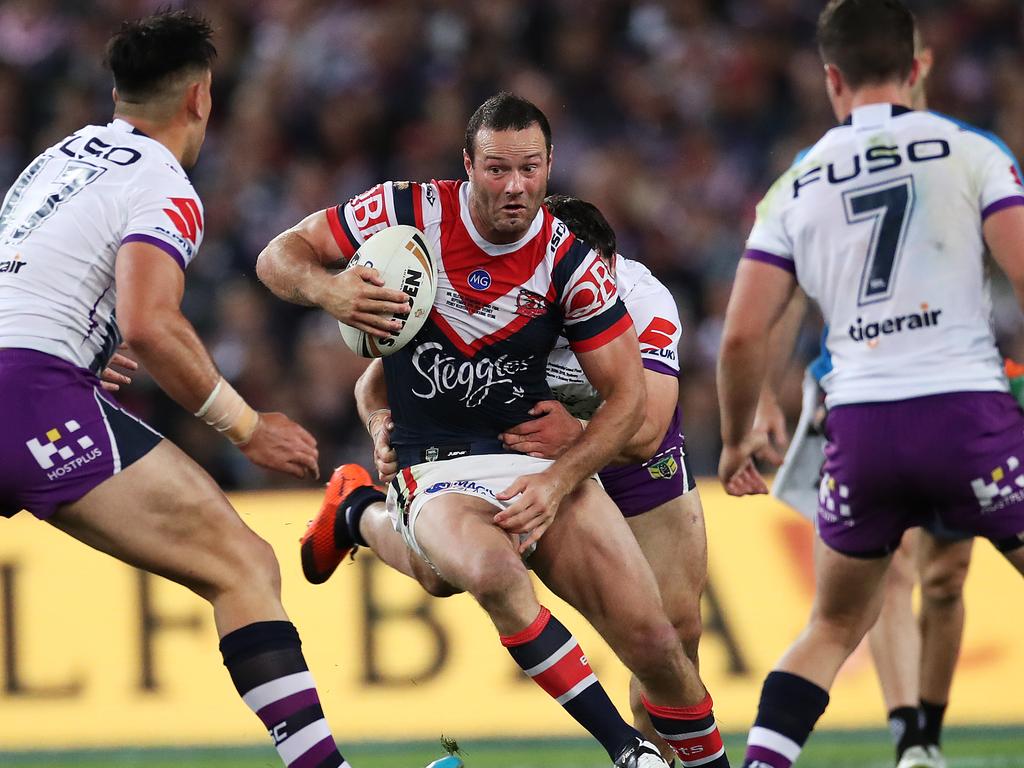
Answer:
(881, 222)
(61, 225)
(656, 319)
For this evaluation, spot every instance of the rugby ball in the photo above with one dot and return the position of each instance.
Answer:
(405, 262)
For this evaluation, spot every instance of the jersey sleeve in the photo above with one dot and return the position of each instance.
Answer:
(585, 291)
(166, 212)
(385, 205)
(1000, 182)
(658, 326)
(768, 241)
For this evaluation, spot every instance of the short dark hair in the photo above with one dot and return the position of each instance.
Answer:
(145, 54)
(870, 41)
(505, 111)
(584, 220)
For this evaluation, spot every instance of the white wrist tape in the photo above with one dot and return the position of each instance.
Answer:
(228, 413)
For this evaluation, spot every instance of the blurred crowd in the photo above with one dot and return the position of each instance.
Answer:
(674, 116)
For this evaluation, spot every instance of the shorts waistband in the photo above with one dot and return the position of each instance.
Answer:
(408, 455)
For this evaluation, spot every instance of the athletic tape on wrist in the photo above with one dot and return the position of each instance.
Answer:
(229, 414)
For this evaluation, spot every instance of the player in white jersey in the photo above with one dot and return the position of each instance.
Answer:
(95, 236)
(914, 658)
(884, 223)
(512, 278)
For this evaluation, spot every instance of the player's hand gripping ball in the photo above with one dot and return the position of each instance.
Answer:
(405, 261)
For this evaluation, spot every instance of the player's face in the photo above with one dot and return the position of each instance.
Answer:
(510, 179)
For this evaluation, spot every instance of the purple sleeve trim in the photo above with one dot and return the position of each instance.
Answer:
(164, 246)
(659, 367)
(998, 205)
(770, 258)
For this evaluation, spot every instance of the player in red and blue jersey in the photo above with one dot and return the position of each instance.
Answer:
(511, 279)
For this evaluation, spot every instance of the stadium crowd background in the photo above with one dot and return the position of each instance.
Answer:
(673, 116)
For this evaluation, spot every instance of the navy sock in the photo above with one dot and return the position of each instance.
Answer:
(931, 721)
(266, 665)
(549, 654)
(790, 706)
(905, 728)
(352, 512)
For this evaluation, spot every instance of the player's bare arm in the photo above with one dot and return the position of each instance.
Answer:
(615, 371)
(1004, 235)
(769, 420)
(299, 265)
(149, 291)
(554, 430)
(371, 394)
(760, 294)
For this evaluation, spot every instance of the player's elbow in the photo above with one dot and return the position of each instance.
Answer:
(142, 329)
(266, 268)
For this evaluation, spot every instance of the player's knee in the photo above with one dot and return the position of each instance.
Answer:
(648, 648)
(943, 586)
(248, 565)
(492, 577)
(843, 627)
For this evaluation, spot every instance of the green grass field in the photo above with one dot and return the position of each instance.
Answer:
(965, 748)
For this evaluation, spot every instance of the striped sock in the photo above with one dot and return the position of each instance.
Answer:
(790, 706)
(549, 654)
(691, 732)
(266, 665)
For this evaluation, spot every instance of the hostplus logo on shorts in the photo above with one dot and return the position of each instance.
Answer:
(44, 452)
(833, 501)
(1003, 486)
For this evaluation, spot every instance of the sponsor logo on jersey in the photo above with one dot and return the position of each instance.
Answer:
(43, 451)
(875, 159)
(186, 217)
(912, 321)
(479, 280)
(436, 487)
(664, 468)
(369, 210)
(658, 333)
(592, 293)
(530, 304)
(14, 265)
(1003, 486)
(441, 373)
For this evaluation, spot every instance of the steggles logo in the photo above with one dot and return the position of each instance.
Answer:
(999, 489)
(43, 452)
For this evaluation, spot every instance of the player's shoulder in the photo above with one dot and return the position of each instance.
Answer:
(971, 133)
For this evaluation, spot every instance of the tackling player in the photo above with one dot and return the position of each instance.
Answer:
(511, 279)
(95, 235)
(868, 224)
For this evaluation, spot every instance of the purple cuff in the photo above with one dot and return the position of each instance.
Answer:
(998, 205)
(770, 258)
(164, 246)
(659, 367)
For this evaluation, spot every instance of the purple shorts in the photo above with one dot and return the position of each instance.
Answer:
(62, 435)
(957, 457)
(639, 488)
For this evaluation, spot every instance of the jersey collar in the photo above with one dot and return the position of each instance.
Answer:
(871, 115)
(492, 249)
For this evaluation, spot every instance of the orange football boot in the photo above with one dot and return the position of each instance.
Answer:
(326, 541)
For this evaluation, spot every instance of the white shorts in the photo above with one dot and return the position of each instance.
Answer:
(481, 476)
(797, 481)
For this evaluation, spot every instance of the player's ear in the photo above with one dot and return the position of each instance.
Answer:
(834, 83)
(916, 72)
(467, 162)
(114, 96)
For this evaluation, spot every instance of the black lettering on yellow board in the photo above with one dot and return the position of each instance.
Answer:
(376, 617)
(14, 681)
(150, 624)
(716, 624)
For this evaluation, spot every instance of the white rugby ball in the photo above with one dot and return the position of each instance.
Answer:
(402, 256)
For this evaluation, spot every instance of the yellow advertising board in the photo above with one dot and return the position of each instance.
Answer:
(94, 653)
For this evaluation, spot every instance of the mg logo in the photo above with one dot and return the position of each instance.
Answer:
(479, 280)
(43, 452)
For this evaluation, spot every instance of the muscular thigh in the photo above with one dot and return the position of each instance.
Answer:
(590, 558)
(166, 515)
(672, 539)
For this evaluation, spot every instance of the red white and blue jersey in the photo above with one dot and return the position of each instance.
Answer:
(478, 364)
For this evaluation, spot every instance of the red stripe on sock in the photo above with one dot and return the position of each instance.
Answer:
(694, 749)
(560, 678)
(697, 711)
(530, 633)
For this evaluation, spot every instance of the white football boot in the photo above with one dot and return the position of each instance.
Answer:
(641, 754)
